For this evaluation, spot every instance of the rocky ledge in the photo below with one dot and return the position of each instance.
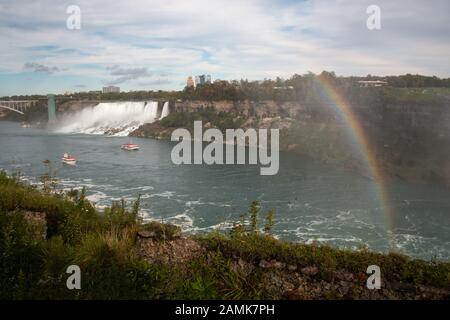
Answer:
(279, 279)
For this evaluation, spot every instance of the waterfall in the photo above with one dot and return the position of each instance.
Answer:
(165, 110)
(114, 118)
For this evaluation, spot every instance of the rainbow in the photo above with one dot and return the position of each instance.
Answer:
(357, 132)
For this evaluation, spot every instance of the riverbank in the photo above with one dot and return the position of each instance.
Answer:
(122, 257)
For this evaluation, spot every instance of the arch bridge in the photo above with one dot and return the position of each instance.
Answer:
(19, 106)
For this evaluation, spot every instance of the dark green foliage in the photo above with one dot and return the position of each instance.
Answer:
(253, 212)
(20, 255)
(221, 120)
(269, 222)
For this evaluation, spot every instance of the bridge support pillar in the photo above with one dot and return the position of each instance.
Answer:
(51, 107)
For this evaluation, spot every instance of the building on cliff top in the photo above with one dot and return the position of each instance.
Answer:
(372, 83)
(190, 82)
(202, 79)
(110, 89)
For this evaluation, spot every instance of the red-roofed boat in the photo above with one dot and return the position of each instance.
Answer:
(68, 159)
(130, 146)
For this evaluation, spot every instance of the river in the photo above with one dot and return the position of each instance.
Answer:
(312, 202)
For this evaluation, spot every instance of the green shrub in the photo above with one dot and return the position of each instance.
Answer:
(20, 256)
(160, 231)
(221, 120)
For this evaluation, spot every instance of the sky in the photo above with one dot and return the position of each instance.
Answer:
(156, 44)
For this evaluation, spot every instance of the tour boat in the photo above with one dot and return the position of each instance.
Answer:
(68, 159)
(130, 146)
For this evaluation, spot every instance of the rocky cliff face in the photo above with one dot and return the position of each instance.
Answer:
(412, 141)
(262, 109)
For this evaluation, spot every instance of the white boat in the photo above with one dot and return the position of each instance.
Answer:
(68, 159)
(130, 146)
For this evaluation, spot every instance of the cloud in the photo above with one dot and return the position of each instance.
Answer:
(154, 82)
(126, 74)
(36, 67)
(229, 39)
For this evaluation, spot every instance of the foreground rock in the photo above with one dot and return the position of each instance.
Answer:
(278, 279)
(153, 130)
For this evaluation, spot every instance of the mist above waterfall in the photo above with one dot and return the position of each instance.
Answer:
(113, 118)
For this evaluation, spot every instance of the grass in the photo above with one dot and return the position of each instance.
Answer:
(396, 267)
(104, 245)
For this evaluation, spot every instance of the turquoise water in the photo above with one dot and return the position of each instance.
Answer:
(312, 202)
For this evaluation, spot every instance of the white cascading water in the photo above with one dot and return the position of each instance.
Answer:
(165, 110)
(113, 118)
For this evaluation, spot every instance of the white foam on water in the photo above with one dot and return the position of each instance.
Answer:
(221, 226)
(97, 197)
(165, 194)
(143, 188)
(183, 220)
(333, 239)
(193, 203)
